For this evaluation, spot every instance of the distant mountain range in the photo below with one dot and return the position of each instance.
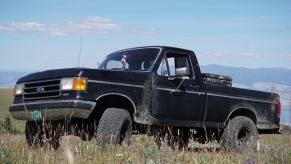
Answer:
(264, 79)
(9, 78)
(248, 76)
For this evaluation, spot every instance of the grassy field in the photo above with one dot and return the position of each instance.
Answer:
(273, 149)
(6, 98)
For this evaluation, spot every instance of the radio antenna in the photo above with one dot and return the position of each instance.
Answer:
(80, 50)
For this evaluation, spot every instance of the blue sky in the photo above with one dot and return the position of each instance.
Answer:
(40, 35)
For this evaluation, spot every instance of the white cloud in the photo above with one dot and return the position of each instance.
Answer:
(88, 25)
(22, 26)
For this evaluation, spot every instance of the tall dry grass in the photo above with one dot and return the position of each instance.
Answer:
(13, 149)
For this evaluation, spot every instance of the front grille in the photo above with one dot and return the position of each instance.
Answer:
(42, 89)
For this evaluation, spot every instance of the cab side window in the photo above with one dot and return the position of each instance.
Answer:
(162, 70)
(173, 63)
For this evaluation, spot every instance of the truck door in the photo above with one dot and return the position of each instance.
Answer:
(176, 93)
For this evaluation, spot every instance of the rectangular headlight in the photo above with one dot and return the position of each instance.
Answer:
(18, 90)
(67, 84)
(76, 83)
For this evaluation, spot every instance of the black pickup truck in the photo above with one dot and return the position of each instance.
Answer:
(156, 90)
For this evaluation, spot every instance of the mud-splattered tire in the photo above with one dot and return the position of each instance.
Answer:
(115, 127)
(240, 135)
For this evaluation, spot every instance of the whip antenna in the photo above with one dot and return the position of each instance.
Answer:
(80, 50)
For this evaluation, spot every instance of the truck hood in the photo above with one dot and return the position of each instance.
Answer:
(95, 74)
(51, 74)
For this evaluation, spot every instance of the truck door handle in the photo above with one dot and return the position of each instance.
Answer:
(177, 92)
(195, 86)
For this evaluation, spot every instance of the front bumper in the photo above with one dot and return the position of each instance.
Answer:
(52, 109)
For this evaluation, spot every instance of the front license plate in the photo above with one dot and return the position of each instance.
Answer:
(36, 115)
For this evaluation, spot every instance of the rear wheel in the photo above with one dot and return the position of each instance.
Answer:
(115, 127)
(240, 134)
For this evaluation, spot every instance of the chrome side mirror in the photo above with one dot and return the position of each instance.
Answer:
(182, 72)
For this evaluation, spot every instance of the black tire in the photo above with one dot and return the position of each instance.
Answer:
(115, 127)
(240, 135)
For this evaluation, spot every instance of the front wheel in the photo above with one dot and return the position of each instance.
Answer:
(115, 127)
(240, 135)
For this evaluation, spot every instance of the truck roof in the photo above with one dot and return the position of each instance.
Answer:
(161, 47)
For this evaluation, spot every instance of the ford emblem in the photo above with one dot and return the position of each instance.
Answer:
(39, 89)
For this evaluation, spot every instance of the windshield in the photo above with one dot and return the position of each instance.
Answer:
(135, 59)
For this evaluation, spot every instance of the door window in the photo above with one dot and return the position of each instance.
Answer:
(174, 62)
(162, 70)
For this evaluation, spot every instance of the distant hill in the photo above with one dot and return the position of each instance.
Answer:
(264, 79)
(9, 78)
(248, 76)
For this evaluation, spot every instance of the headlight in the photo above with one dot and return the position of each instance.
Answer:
(18, 90)
(76, 83)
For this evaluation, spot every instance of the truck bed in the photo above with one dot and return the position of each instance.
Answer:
(264, 105)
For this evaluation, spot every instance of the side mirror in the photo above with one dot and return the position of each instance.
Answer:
(182, 72)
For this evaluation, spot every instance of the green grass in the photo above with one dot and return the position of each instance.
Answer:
(6, 98)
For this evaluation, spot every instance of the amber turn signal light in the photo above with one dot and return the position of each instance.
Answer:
(79, 84)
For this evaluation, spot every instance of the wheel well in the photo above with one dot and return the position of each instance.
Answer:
(243, 112)
(112, 101)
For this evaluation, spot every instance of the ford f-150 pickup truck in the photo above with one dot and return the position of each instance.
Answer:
(156, 90)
